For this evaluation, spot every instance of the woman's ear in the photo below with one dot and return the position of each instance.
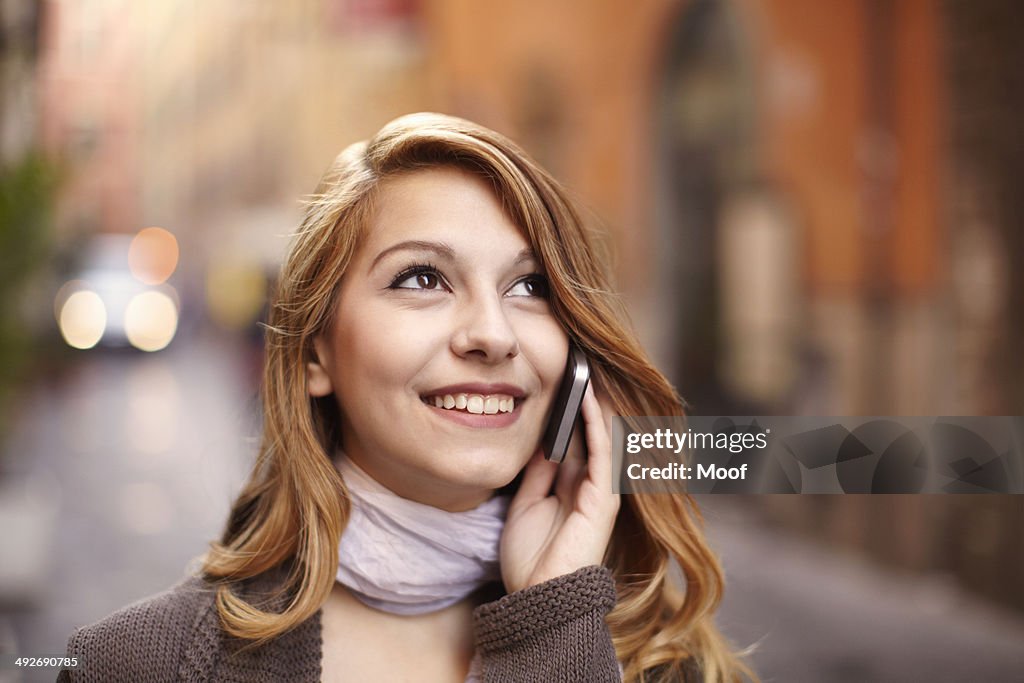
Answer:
(318, 380)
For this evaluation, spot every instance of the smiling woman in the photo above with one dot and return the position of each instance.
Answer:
(400, 522)
(443, 301)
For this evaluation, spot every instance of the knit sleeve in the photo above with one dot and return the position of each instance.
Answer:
(554, 631)
(145, 641)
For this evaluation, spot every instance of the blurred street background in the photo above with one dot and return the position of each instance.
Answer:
(814, 207)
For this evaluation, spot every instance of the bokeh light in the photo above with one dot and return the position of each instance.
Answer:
(153, 255)
(66, 290)
(82, 319)
(150, 320)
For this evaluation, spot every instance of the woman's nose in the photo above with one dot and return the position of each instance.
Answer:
(484, 332)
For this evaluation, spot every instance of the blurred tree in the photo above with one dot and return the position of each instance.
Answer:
(27, 191)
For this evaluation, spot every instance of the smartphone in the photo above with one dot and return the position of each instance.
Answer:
(566, 409)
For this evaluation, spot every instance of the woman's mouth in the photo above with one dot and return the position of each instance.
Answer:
(476, 404)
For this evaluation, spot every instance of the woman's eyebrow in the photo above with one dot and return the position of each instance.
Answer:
(439, 248)
(525, 256)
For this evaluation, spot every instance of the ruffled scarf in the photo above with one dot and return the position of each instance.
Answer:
(404, 557)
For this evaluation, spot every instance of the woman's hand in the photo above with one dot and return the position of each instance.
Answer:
(549, 534)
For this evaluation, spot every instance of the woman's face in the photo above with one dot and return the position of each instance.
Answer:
(444, 355)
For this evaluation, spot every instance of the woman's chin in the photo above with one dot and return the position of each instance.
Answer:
(476, 482)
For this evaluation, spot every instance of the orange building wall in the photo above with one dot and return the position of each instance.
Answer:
(822, 153)
(812, 150)
(919, 243)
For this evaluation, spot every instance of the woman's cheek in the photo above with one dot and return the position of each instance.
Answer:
(551, 353)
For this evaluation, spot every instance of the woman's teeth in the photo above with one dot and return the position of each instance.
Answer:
(475, 403)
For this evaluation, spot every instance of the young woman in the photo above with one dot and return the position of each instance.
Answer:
(400, 522)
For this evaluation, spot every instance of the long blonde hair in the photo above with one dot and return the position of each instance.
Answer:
(294, 507)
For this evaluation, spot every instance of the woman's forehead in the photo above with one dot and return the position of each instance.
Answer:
(445, 205)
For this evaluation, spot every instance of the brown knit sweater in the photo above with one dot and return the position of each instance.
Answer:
(551, 632)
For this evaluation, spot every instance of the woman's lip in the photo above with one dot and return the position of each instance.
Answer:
(478, 420)
(484, 389)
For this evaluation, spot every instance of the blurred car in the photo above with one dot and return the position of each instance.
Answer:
(108, 303)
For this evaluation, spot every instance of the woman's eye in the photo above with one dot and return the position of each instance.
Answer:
(531, 285)
(423, 279)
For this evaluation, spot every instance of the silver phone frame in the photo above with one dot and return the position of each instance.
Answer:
(568, 403)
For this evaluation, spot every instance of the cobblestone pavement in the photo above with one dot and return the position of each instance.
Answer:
(820, 615)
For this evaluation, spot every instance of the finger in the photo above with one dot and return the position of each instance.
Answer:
(571, 471)
(598, 442)
(609, 412)
(537, 480)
